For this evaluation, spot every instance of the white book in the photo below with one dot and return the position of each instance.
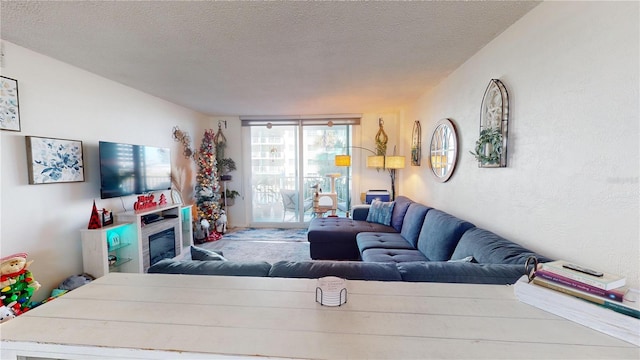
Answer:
(604, 281)
(621, 326)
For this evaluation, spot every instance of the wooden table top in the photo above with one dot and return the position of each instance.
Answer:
(190, 316)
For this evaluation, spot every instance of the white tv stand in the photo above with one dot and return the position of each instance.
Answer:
(128, 239)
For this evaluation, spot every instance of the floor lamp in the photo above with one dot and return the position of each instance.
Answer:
(373, 161)
(391, 163)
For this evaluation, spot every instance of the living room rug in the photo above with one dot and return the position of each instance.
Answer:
(257, 244)
(266, 234)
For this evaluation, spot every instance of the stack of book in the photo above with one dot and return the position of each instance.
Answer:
(595, 299)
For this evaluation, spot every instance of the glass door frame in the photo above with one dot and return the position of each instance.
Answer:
(302, 217)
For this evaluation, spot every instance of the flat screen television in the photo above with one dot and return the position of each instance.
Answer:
(127, 169)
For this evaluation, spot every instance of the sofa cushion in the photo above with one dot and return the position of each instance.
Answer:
(461, 272)
(368, 240)
(198, 253)
(195, 267)
(413, 220)
(489, 248)
(440, 234)
(334, 238)
(332, 229)
(351, 270)
(399, 210)
(392, 255)
(380, 212)
(360, 212)
(465, 259)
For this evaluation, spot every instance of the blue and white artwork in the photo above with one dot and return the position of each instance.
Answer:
(54, 160)
(9, 110)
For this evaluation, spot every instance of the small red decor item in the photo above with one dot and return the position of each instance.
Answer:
(214, 235)
(94, 221)
(163, 200)
(145, 202)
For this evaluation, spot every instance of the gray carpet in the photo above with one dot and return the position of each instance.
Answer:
(270, 245)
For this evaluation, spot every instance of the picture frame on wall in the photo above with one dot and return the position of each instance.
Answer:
(51, 160)
(9, 104)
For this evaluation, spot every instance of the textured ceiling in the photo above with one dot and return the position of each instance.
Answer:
(264, 58)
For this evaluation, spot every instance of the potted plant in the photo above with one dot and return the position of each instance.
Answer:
(225, 166)
(230, 196)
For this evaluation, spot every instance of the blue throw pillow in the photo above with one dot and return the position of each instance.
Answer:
(201, 254)
(380, 212)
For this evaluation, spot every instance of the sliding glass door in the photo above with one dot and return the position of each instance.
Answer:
(288, 162)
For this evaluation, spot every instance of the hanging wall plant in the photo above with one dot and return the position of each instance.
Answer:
(491, 147)
(225, 165)
(488, 147)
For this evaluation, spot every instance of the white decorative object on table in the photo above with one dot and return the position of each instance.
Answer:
(331, 291)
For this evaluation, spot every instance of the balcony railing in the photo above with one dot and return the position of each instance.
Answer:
(268, 205)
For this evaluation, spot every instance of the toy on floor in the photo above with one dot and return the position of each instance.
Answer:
(75, 281)
(221, 223)
(16, 282)
(6, 312)
(71, 283)
(198, 232)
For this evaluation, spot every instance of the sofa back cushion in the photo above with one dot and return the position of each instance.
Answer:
(489, 248)
(413, 220)
(198, 253)
(350, 270)
(440, 234)
(461, 272)
(399, 210)
(226, 268)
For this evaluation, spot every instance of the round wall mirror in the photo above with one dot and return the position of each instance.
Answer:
(443, 151)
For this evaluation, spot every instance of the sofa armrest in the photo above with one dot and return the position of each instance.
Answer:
(461, 272)
(360, 212)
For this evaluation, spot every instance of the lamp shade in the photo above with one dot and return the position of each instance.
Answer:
(343, 160)
(375, 161)
(438, 161)
(394, 162)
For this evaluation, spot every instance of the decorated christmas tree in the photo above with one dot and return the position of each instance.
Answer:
(207, 191)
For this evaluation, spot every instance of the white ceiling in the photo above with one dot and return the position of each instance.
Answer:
(264, 58)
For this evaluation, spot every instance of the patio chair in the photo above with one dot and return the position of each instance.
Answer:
(290, 203)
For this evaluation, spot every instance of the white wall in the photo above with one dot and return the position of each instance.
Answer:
(570, 190)
(60, 101)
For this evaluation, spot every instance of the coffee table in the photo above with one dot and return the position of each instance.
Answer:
(161, 316)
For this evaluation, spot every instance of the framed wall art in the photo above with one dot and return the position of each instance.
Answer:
(54, 160)
(9, 104)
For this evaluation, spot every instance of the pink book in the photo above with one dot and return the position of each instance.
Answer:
(613, 294)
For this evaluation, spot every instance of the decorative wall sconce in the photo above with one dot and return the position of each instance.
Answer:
(416, 144)
(381, 139)
(183, 138)
(491, 147)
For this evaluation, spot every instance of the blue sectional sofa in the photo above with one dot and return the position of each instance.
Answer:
(420, 244)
